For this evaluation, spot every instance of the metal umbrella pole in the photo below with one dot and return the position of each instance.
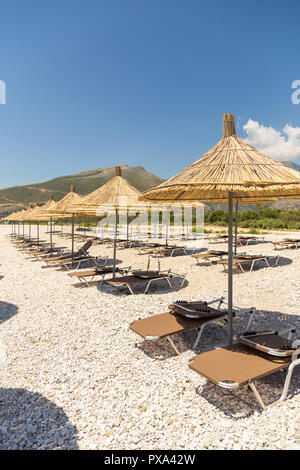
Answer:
(230, 280)
(72, 235)
(51, 243)
(236, 226)
(115, 244)
(38, 231)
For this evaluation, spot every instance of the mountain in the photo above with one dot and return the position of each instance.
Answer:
(292, 165)
(85, 183)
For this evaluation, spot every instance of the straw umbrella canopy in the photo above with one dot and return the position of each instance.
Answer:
(65, 207)
(116, 196)
(41, 214)
(232, 171)
(13, 218)
(117, 193)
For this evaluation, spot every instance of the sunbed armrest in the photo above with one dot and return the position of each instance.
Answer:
(229, 384)
(296, 344)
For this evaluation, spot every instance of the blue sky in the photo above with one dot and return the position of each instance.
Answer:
(143, 82)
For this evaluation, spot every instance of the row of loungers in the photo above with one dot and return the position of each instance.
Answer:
(253, 356)
(125, 277)
(239, 261)
(287, 243)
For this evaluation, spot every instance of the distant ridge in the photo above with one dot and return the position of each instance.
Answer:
(85, 182)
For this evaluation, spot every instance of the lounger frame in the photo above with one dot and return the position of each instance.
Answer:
(251, 383)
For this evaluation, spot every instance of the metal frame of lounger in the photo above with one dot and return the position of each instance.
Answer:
(286, 244)
(239, 263)
(218, 239)
(210, 257)
(278, 365)
(168, 275)
(204, 321)
(82, 275)
(248, 240)
(70, 263)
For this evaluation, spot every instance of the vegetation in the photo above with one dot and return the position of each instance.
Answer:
(264, 218)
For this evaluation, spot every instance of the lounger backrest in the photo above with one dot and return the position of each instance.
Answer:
(85, 247)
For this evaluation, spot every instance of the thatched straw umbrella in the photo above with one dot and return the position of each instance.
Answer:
(232, 171)
(40, 214)
(13, 218)
(115, 196)
(19, 217)
(66, 208)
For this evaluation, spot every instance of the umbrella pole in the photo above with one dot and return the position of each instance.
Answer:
(230, 296)
(236, 225)
(29, 230)
(127, 226)
(115, 245)
(38, 231)
(72, 235)
(23, 230)
(167, 231)
(85, 226)
(51, 244)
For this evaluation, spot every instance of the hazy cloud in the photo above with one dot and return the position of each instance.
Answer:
(283, 145)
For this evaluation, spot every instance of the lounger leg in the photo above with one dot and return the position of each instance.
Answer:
(129, 288)
(147, 287)
(198, 337)
(183, 281)
(256, 394)
(250, 319)
(169, 282)
(101, 281)
(288, 380)
(172, 344)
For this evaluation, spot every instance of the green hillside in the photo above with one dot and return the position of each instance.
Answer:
(84, 182)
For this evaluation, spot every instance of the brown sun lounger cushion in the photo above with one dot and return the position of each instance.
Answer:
(77, 254)
(237, 363)
(164, 324)
(131, 279)
(243, 259)
(93, 272)
(209, 254)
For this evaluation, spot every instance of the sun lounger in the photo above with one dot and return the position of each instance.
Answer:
(165, 325)
(239, 261)
(76, 262)
(209, 256)
(163, 250)
(217, 238)
(287, 243)
(82, 252)
(247, 240)
(237, 365)
(86, 277)
(142, 277)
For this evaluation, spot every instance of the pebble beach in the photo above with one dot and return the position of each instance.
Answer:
(74, 376)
